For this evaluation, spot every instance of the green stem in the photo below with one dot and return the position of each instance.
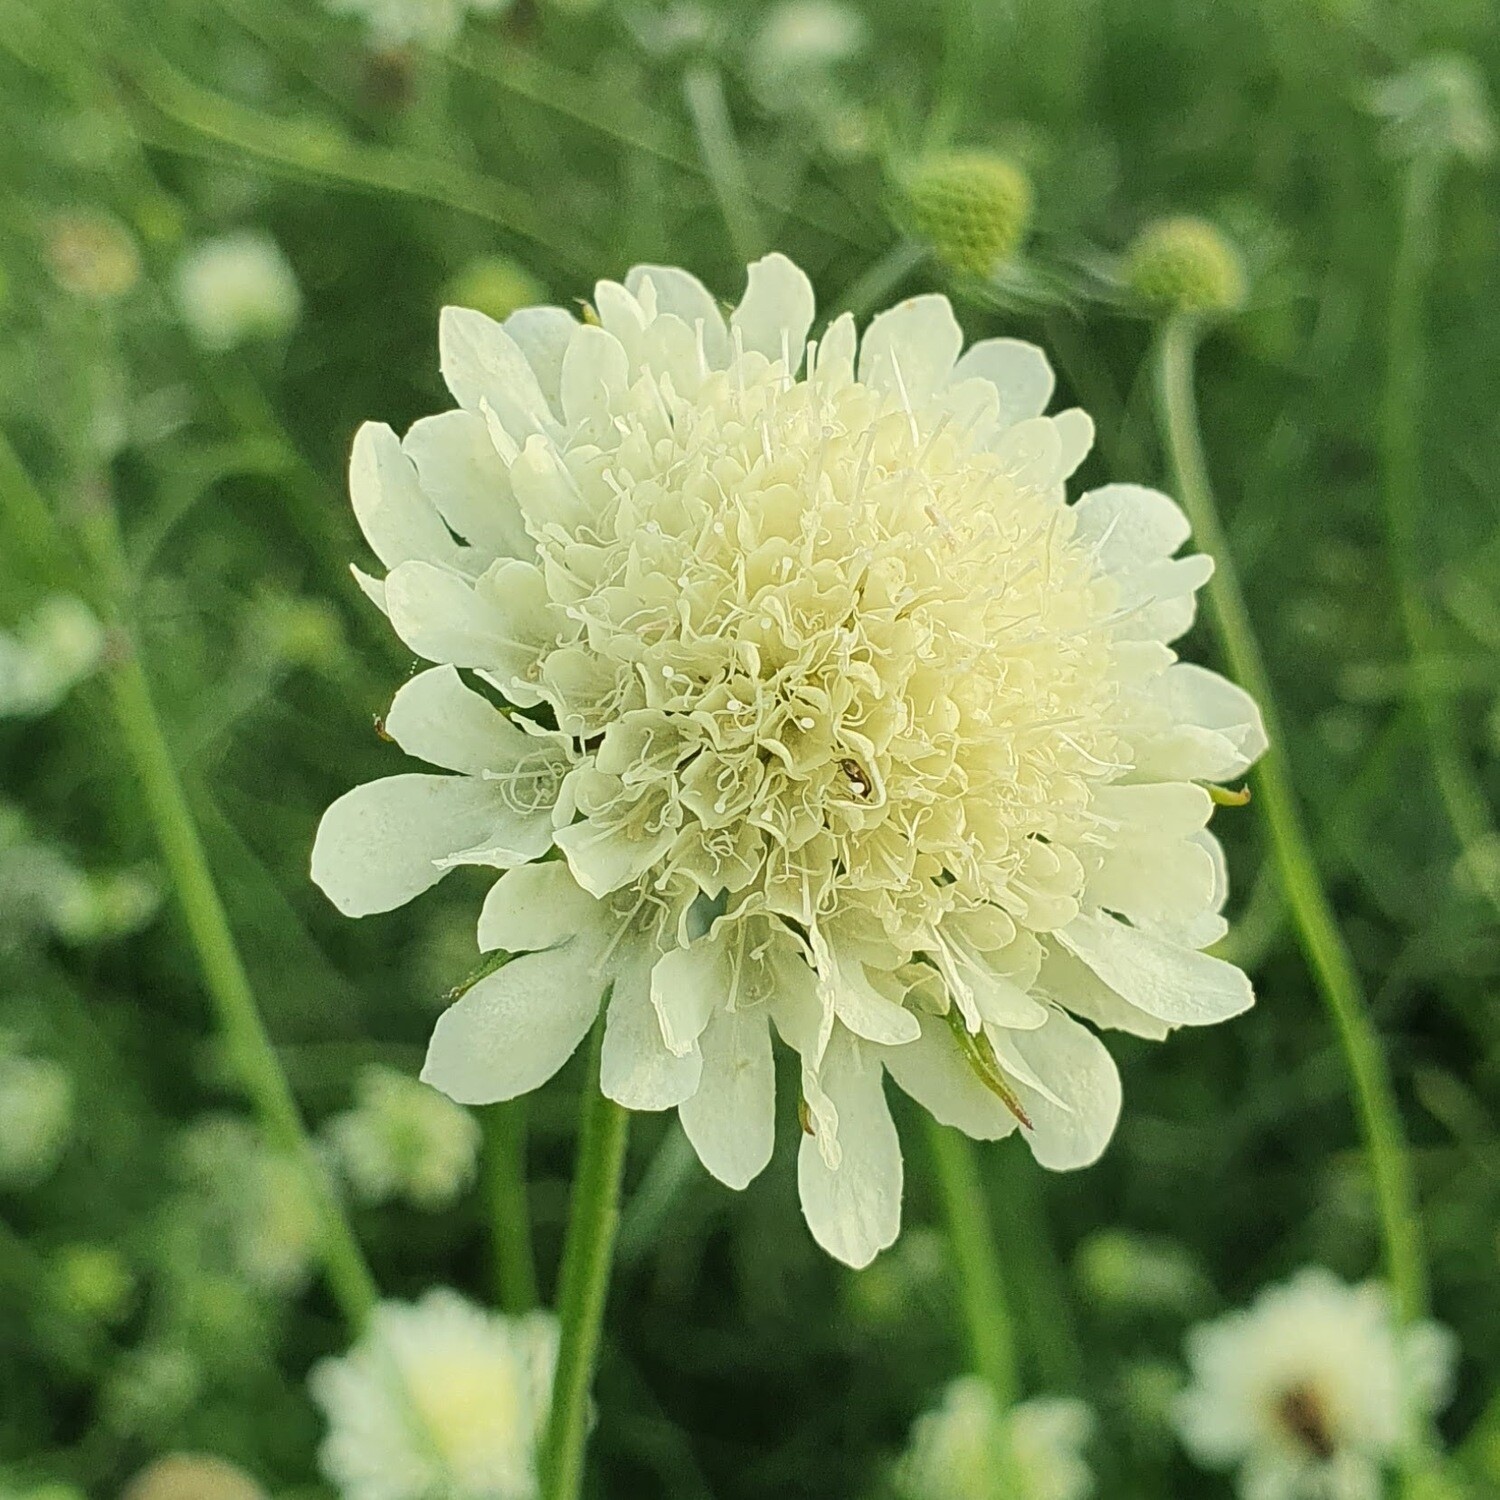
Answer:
(514, 1265)
(956, 85)
(250, 1050)
(879, 280)
(1322, 943)
(992, 1341)
(703, 89)
(1401, 463)
(584, 1283)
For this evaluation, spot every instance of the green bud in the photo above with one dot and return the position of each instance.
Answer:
(496, 285)
(94, 1280)
(972, 206)
(92, 255)
(1184, 265)
(193, 1476)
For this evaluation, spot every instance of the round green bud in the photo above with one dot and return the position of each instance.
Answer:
(94, 1280)
(1184, 265)
(496, 285)
(92, 255)
(973, 207)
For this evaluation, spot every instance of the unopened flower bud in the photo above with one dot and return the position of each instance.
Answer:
(974, 207)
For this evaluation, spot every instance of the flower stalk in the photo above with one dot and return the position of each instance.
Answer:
(513, 1263)
(1400, 451)
(249, 1047)
(1323, 944)
(584, 1282)
(992, 1342)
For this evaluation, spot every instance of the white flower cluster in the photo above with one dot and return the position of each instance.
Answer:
(236, 289)
(51, 651)
(787, 689)
(438, 1398)
(404, 1140)
(966, 1449)
(36, 1113)
(1312, 1391)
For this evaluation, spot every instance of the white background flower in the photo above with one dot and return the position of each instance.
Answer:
(842, 721)
(438, 1398)
(1312, 1390)
(237, 288)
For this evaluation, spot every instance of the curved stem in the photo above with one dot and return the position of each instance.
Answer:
(250, 1050)
(1312, 913)
(1401, 465)
(584, 1284)
(514, 1266)
(992, 1341)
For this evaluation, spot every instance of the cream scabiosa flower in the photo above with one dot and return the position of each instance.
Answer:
(1312, 1391)
(967, 1449)
(799, 699)
(438, 1398)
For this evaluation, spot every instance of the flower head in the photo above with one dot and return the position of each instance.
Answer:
(236, 289)
(1185, 265)
(1312, 1390)
(404, 1139)
(438, 1398)
(958, 1450)
(972, 206)
(798, 696)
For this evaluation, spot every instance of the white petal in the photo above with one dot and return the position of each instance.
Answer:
(398, 520)
(680, 294)
(731, 1120)
(1075, 430)
(1177, 985)
(776, 311)
(687, 986)
(853, 1209)
(437, 613)
(537, 906)
(1078, 1070)
(1018, 371)
(835, 357)
(482, 364)
(595, 374)
(606, 856)
(437, 719)
(542, 334)
(500, 623)
(1130, 526)
(934, 1071)
(856, 1002)
(911, 347)
(372, 588)
(379, 844)
(1031, 453)
(636, 1069)
(468, 482)
(516, 1027)
(1210, 730)
(1076, 987)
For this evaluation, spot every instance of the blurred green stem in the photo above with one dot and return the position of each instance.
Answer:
(250, 1050)
(971, 1233)
(1401, 463)
(956, 85)
(510, 1213)
(1312, 913)
(703, 89)
(584, 1283)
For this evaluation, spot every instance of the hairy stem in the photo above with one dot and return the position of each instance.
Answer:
(992, 1342)
(1312, 913)
(584, 1284)
(513, 1264)
(250, 1051)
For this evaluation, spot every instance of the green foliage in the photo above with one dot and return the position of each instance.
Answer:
(548, 145)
